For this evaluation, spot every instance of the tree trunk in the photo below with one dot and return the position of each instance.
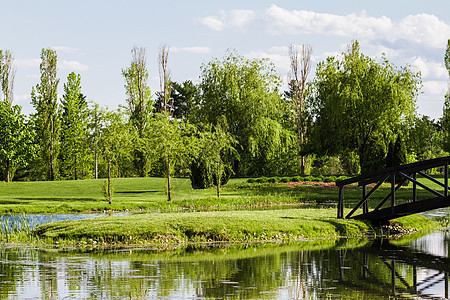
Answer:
(8, 172)
(109, 181)
(218, 181)
(169, 196)
(96, 164)
(52, 174)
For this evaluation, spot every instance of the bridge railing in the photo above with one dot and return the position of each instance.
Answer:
(402, 173)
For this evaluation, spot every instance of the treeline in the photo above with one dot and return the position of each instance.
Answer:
(355, 115)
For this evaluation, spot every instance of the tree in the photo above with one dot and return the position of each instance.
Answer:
(182, 98)
(7, 75)
(164, 81)
(16, 140)
(115, 141)
(94, 126)
(172, 142)
(446, 112)
(245, 92)
(74, 154)
(300, 68)
(356, 99)
(140, 104)
(44, 98)
(217, 145)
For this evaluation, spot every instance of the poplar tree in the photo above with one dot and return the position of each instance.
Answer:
(7, 75)
(140, 105)
(74, 130)
(44, 98)
(446, 112)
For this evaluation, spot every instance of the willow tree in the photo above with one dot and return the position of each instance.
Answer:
(246, 92)
(44, 98)
(140, 105)
(7, 75)
(359, 103)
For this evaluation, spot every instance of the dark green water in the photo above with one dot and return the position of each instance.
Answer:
(353, 269)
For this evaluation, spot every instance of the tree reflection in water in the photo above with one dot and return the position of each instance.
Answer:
(371, 269)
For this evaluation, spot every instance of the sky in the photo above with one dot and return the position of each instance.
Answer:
(94, 38)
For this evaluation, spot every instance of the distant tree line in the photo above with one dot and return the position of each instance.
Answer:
(356, 115)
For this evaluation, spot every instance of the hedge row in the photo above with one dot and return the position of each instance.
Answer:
(297, 179)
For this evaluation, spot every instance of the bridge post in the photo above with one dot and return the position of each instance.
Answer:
(446, 179)
(340, 206)
(365, 204)
(414, 187)
(393, 192)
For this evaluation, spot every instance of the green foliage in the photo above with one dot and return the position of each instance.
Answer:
(17, 146)
(245, 92)
(74, 155)
(216, 148)
(44, 98)
(115, 142)
(140, 106)
(355, 99)
(7, 74)
(173, 143)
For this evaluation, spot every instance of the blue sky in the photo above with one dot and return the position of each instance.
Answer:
(95, 38)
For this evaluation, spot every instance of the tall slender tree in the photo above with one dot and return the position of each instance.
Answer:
(140, 105)
(74, 154)
(7, 75)
(446, 112)
(164, 80)
(300, 68)
(44, 98)
(94, 125)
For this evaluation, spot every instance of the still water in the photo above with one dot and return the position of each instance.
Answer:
(356, 269)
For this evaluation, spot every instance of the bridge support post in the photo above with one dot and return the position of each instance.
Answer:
(393, 192)
(446, 179)
(340, 206)
(414, 187)
(365, 204)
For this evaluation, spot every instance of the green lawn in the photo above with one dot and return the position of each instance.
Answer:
(150, 194)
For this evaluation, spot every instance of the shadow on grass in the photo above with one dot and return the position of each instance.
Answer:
(13, 202)
(136, 192)
(56, 199)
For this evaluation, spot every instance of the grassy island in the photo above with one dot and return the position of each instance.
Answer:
(245, 212)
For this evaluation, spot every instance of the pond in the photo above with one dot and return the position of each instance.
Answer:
(356, 269)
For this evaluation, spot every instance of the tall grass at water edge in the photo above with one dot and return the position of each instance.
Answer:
(19, 227)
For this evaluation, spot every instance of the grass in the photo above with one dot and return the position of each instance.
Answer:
(237, 215)
(213, 226)
(150, 194)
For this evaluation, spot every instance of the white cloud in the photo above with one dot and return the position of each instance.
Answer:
(73, 65)
(434, 89)
(235, 19)
(65, 49)
(424, 29)
(196, 50)
(213, 23)
(429, 69)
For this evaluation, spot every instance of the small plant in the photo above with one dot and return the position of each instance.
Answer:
(108, 190)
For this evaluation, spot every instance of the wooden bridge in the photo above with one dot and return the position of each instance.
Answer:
(403, 173)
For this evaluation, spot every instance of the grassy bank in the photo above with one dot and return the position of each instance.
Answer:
(217, 226)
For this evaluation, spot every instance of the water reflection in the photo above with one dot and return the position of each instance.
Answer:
(379, 269)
